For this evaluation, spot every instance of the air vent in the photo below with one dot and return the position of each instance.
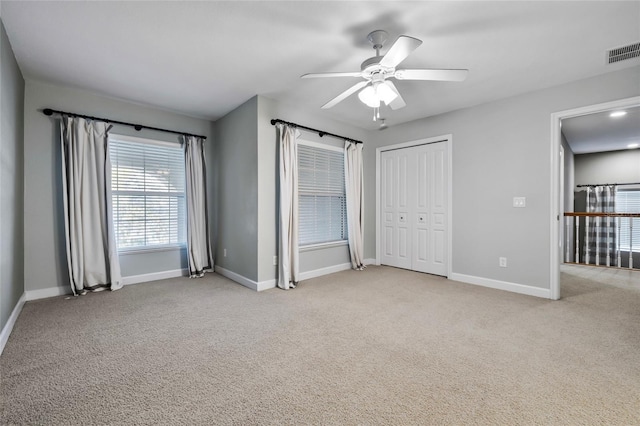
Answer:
(623, 53)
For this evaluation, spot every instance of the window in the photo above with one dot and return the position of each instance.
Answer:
(148, 193)
(321, 194)
(628, 201)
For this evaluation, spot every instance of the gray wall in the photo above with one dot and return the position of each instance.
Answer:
(45, 256)
(608, 167)
(11, 180)
(501, 150)
(569, 175)
(236, 154)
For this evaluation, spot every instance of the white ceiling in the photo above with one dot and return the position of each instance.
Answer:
(206, 58)
(599, 132)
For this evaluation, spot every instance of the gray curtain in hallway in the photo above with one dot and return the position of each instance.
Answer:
(92, 254)
(602, 230)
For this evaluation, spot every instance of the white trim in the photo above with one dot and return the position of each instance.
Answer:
(370, 261)
(322, 246)
(556, 211)
(133, 279)
(151, 249)
(146, 141)
(154, 276)
(45, 293)
(324, 271)
(448, 139)
(502, 285)
(253, 285)
(8, 327)
(320, 145)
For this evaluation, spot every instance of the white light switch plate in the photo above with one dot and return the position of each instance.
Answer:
(519, 202)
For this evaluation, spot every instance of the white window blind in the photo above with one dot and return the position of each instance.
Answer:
(148, 193)
(628, 201)
(321, 195)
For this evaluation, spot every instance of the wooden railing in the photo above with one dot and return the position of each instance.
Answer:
(582, 242)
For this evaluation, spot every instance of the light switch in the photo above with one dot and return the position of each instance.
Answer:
(519, 202)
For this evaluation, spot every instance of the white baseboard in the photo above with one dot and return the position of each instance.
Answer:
(8, 327)
(265, 285)
(132, 279)
(43, 293)
(324, 271)
(502, 285)
(143, 278)
(253, 285)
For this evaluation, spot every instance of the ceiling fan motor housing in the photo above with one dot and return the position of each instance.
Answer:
(372, 66)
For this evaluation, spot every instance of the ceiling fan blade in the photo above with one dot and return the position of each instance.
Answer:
(403, 46)
(432, 74)
(342, 96)
(332, 74)
(398, 102)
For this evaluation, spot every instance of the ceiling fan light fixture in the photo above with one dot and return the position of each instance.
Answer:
(379, 92)
(369, 97)
(385, 93)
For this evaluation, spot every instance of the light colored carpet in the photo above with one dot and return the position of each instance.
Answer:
(381, 346)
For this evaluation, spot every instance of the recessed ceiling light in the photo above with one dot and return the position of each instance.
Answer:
(633, 145)
(616, 114)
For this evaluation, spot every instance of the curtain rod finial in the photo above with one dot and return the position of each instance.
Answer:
(273, 121)
(137, 127)
(47, 111)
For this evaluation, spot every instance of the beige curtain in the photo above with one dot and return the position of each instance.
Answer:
(92, 254)
(198, 241)
(288, 213)
(353, 180)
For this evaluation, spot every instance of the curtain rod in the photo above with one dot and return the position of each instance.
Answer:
(138, 127)
(608, 184)
(319, 132)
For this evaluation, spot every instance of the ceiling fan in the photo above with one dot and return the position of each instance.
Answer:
(378, 70)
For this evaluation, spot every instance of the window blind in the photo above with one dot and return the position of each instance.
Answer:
(148, 194)
(628, 201)
(321, 195)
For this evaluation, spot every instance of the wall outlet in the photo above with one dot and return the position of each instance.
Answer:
(224, 252)
(502, 261)
(275, 260)
(519, 202)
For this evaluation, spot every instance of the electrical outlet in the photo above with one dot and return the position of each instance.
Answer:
(519, 202)
(502, 261)
(275, 260)
(224, 252)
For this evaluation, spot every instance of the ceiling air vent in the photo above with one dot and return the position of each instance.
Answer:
(623, 53)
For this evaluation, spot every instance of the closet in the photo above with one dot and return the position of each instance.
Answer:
(414, 208)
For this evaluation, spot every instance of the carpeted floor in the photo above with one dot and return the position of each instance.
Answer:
(381, 346)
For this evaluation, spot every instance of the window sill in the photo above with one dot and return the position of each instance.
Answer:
(323, 246)
(127, 252)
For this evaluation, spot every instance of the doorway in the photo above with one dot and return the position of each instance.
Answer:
(413, 198)
(558, 203)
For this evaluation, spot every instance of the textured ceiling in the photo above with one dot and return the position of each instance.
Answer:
(206, 58)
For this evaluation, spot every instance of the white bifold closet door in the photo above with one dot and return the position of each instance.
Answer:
(414, 207)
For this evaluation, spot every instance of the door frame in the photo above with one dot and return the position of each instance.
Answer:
(557, 205)
(448, 139)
